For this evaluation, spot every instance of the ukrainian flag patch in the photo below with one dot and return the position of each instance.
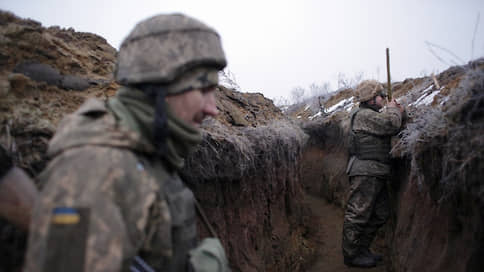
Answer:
(65, 216)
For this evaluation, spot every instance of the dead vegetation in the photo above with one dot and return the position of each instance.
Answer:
(438, 168)
(231, 153)
(454, 127)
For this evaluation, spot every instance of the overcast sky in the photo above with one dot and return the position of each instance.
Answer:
(274, 46)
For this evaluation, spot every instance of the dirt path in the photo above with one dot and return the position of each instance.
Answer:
(327, 232)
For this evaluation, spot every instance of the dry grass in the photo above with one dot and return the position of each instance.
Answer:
(228, 155)
(455, 130)
(464, 151)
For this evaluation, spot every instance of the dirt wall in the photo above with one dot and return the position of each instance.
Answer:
(436, 191)
(440, 203)
(248, 180)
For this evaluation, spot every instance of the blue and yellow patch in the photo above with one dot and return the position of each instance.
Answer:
(65, 216)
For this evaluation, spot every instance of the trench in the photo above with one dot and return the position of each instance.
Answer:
(325, 205)
(327, 227)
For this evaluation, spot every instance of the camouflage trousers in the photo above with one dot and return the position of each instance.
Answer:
(367, 209)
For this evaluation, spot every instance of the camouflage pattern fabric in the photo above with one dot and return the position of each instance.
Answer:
(197, 78)
(161, 48)
(368, 89)
(109, 170)
(366, 211)
(386, 123)
(367, 207)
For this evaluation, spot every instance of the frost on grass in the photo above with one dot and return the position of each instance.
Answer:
(320, 113)
(454, 129)
(345, 103)
(464, 151)
(427, 124)
(427, 98)
(230, 154)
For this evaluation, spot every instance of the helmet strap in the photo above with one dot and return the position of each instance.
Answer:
(160, 130)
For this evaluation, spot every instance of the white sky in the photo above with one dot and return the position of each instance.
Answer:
(274, 46)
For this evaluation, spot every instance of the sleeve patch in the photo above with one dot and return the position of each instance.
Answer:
(67, 239)
(65, 216)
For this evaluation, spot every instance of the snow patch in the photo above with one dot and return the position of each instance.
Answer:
(343, 102)
(349, 107)
(444, 100)
(426, 98)
(316, 115)
(428, 88)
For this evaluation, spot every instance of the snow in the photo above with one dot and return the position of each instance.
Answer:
(316, 115)
(428, 88)
(339, 104)
(425, 98)
(444, 100)
(349, 107)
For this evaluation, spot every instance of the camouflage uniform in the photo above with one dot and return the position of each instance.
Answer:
(112, 194)
(367, 206)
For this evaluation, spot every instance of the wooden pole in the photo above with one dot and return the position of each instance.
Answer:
(389, 82)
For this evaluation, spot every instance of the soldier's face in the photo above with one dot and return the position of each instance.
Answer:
(193, 106)
(379, 101)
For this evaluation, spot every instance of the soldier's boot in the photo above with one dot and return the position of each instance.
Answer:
(360, 261)
(377, 257)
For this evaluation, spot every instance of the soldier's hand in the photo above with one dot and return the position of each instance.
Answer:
(400, 107)
(395, 104)
(209, 256)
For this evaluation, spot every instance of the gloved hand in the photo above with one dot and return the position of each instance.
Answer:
(209, 256)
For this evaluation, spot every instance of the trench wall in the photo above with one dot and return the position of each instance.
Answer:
(251, 190)
(436, 191)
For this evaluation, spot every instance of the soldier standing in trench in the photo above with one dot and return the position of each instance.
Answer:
(367, 208)
(112, 199)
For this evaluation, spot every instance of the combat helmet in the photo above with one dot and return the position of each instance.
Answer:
(368, 89)
(161, 48)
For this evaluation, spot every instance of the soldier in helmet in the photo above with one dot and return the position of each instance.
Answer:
(112, 199)
(368, 170)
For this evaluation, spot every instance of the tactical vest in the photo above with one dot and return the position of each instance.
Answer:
(369, 146)
(168, 246)
(181, 203)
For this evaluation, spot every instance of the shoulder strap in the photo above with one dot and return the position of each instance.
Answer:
(353, 119)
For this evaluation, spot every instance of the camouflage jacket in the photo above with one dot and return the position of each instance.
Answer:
(108, 175)
(381, 124)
